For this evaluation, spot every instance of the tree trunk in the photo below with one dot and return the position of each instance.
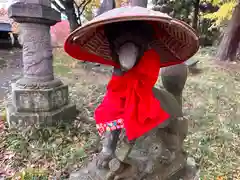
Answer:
(195, 14)
(71, 14)
(141, 3)
(238, 52)
(106, 6)
(228, 47)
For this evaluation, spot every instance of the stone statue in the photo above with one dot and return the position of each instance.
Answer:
(158, 153)
(163, 145)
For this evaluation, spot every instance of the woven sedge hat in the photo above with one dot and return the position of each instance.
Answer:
(174, 40)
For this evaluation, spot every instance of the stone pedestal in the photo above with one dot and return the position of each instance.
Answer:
(37, 98)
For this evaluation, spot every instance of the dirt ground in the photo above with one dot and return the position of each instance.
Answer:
(10, 69)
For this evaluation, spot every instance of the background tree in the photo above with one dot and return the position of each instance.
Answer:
(196, 5)
(106, 5)
(208, 17)
(227, 20)
(141, 3)
(228, 48)
(191, 11)
(180, 9)
(76, 10)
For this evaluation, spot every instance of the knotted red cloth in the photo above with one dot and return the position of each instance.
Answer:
(129, 101)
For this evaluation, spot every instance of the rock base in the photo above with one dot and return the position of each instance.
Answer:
(39, 106)
(51, 118)
(175, 171)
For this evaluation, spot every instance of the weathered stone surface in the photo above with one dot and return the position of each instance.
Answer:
(159, 154)
(174, 79)
(41, 2)
(37, 51)
(178, 170)
(51, 118)
(40, 100)
(31, 12)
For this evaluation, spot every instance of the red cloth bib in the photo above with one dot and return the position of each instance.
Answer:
(129, 101)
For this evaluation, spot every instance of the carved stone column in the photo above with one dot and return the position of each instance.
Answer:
(37, 97)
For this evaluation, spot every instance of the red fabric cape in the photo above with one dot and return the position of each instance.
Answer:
(129, 99)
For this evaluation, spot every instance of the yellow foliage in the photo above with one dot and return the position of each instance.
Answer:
(30, 173)
(93, 4)
(4, 116)
(119, 2)
(223, 13)
(214, 2)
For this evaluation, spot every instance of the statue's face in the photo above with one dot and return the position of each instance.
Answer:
(128, 54)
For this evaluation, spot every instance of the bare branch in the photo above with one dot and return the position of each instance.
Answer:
(78, 11)
(63, 3)
(84, 7)
(57, 6)
(82, 3)
(74, 2)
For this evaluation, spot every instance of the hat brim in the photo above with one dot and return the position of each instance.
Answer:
(175, 40)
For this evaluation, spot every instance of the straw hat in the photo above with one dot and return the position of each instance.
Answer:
(174, 40)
